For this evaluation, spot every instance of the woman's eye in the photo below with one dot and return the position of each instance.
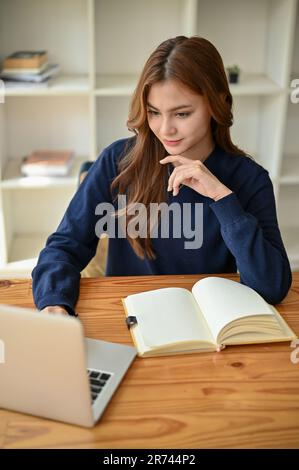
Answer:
(156, 113)
(183, 114)
(153, 113)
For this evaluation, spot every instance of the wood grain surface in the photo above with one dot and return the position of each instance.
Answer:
(243, 397)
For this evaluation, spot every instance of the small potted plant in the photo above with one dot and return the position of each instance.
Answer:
(233, 73)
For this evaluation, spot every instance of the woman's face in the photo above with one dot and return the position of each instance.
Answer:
(185, 130)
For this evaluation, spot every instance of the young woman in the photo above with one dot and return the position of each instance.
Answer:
(181, 152)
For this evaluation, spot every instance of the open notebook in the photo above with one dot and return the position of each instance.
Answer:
(218, 312)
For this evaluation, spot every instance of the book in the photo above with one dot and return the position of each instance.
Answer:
(50, 71)
(47, 163)
(20, 71)
(218, 312)
(25, 59)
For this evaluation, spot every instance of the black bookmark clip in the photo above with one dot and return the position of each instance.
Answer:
(131, 321)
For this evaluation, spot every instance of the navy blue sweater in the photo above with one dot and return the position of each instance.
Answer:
(240, 233)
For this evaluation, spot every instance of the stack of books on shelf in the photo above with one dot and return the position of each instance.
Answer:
(28, 68)
(48, 163)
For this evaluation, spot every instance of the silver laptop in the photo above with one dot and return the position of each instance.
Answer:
(48, 368)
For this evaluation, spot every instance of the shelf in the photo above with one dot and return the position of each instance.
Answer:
(290, 170)
(24, 253)
(13, 180)
(61, 85)
(254, 84)
(124, 85)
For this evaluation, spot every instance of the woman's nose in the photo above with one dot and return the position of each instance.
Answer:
(167, 127)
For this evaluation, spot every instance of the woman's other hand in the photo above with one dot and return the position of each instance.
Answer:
(54, 309)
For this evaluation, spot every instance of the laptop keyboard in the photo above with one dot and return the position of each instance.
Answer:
(97, 380)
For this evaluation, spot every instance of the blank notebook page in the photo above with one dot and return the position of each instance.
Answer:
(167, 316)
(222, 301)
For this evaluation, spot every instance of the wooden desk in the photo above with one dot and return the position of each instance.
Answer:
(244, 396)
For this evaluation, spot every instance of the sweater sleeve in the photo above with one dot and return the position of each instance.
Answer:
(56, 277)
(253, 237)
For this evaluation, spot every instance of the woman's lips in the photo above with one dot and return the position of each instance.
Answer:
(172, 142)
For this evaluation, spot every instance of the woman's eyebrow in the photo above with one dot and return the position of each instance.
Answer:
(173, 109)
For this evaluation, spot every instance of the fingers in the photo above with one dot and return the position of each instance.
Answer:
(174, 158)
(179, 175)
(192, 173)
(180, 179)
(183, 163)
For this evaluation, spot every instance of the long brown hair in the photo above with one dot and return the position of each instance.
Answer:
(197, 64)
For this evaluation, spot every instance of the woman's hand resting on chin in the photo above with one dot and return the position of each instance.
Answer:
(195, 175)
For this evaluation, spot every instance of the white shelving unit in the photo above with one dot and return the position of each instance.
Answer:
(288, 197)
(101, 47)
